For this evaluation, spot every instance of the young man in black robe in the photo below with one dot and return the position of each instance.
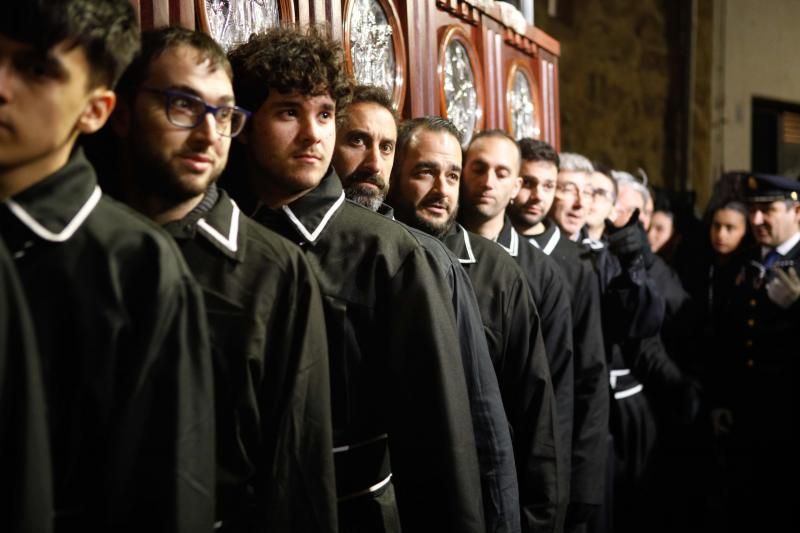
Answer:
(119, 321)
(490, 181)
(404, 450)
(424, 191)
(26, 490)
(176, 119)
(528, 212)
(366, 136)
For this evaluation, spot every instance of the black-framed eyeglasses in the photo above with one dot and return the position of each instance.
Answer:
(188, 111)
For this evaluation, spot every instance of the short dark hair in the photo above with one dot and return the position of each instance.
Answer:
(430, 123)
(289, 58)
(156, 41)
(107, 31)
(495, 133)
(536, 150)
(372, 95)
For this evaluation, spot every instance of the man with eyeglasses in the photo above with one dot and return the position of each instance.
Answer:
(176, 120)
(528, 212)
(118, 320)
(605, 196)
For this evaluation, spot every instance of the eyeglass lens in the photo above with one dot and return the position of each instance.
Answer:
(188, 111)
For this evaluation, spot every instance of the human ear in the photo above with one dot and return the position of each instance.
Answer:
(98, 108)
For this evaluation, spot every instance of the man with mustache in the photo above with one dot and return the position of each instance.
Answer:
(118, 320)
(424, 191)
(175, 122)
(755, 368)
(528, 212)
(366, 135)
(402, 432)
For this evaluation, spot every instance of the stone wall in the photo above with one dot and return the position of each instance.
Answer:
(626, 85)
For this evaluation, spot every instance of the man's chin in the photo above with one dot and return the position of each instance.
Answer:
(435, 227)
(369, 197)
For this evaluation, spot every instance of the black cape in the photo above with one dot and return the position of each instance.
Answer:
(492, 435)
(272, 390)
(396, 369)
(591, 402)
(26, 491)
(127, 369)
(514, 334)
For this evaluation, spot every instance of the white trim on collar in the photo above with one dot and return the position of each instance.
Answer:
(513, 249)
(468, 244)
(231, 241)
(71, 227)
(787, 246)
(551, 242)
(311, 237)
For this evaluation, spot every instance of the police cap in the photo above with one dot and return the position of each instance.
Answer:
(768, 188)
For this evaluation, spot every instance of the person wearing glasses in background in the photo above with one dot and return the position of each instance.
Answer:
(118, 319)
(528, 213)
(273, 421)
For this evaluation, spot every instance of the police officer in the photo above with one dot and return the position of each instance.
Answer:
(755, 368)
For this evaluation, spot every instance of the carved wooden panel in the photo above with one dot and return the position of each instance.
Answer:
(523, 103)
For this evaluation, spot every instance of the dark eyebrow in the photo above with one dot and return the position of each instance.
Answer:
(225, 100)
(52, 65)
(426, 165)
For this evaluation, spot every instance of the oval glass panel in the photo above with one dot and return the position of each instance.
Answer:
(371, 45)
(459, 90)
(231, 22)
(522, 108)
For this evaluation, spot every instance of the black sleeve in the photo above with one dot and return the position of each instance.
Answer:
(297, 473)
(431, 441)
(590, 422)
(530, 403)
(633, 307)
(26, 499)
(492, 435)
(161, 473)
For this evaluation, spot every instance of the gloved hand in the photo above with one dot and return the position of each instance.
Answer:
(626, 242)
(784, 288)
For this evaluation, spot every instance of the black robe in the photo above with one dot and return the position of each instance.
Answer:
(396, 371)
(591, 402)
(272, 390)
(492, 436)
(123, 340)
(515, 342)
(551, 295)
(26, 491)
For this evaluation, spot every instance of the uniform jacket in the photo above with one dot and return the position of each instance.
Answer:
(26, 491)
(268, 339)
(513, 330)
(756, 362)
(396, 369)
(127, 371)
(590, 416)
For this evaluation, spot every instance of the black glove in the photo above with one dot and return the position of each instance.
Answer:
(626, 242)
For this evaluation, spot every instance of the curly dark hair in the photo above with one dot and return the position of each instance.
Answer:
(289, 58)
